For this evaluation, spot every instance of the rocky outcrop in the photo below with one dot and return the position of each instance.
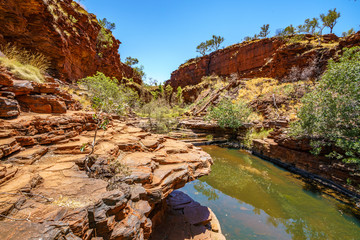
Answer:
(296, 153)
(30, 96)
(270, 57)
(186, 219)
(45, 189)
(9, 107)
(66, 34)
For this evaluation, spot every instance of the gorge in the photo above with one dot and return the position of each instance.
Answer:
(89, 150)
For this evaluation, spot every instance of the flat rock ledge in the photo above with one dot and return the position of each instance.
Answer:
(45, 192)
(184, 218)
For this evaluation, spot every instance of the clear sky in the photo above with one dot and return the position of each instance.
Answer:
(163, 34)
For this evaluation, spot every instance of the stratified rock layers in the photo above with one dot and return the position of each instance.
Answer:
(270, 57)
(66, 34)
(42, 177)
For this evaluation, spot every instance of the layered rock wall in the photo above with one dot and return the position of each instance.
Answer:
(46, 192)
(18, 95)
(273, 57)
(66, 34)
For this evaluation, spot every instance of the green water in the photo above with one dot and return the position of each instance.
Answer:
(254, 199)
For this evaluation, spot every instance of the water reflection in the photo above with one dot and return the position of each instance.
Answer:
(206, 190)
(255, 200)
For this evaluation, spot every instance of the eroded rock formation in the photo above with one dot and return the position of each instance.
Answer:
(66, 34)
(270, 57)
(46, 193)
(24, 95)
(186, 219)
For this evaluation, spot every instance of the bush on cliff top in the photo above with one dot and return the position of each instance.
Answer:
(330, 115)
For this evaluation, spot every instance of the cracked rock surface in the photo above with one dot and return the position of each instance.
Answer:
(46, 193)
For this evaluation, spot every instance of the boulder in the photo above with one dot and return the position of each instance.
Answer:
(9, 108)
(43, 103)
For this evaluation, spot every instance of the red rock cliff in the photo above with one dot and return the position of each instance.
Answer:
(272, 57)
(65, 33)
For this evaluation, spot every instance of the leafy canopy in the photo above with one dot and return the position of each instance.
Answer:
(330, 115)
(210, 45)
(130, 61)
(139, 70)
(264, 31)
(106, 24)
(330, 19)
(230, 115)
(107, 95)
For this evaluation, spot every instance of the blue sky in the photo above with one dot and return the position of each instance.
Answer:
(163, 34)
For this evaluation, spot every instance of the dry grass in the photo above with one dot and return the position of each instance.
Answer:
(79, 95)
(24, 64)
(189, 62)
(79, 7)
(280, 99)
(256, 87)
(68, 202)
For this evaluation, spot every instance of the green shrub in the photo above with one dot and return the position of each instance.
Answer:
(330, 114)
(230, 115)
(108, 96)
(252, 134)
(105, 37)
(209, 137)
(162, 117)
(179, 96)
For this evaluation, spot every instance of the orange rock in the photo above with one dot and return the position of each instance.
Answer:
(43, 103)
(72, 48)
(270, 57)
(115, 201)
(5, 79)
(9, 108)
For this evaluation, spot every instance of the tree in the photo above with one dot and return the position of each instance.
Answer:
(210, 45)
(330, 115)
(264, 31)
(215, 42)
(230, 115)
(247, 38)
(202, 48)
(311, 25)
(289, 30)
(330, 19)
(138, 70)
(168, 92)
(130, 61)
(179, 95)
(280, 32)
(106, 24)
(351, 31)
(106, 96)
(301, 29)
